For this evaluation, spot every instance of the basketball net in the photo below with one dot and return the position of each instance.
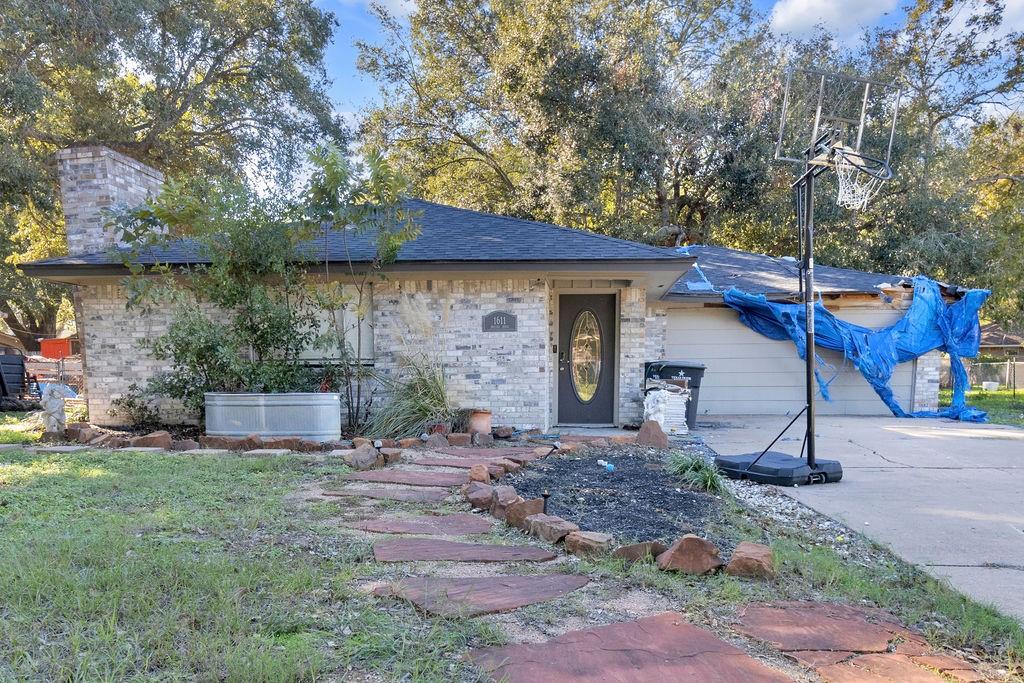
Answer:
(857, 183)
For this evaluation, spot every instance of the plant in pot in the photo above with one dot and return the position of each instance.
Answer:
(248, 313)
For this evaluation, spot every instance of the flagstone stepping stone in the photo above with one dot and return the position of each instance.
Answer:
(474, 596)
(422, 495)
(659, 648)
(790, 626)
(515, 454)
(884, 667)
(493, 465)
(459, 524)
(410, 478)
(433, 549)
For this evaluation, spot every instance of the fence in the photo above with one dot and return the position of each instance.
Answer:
(65, 371)
(1008, 374)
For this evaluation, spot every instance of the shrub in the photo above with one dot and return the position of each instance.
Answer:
(696, 471)
(416, 399)
(245, 318)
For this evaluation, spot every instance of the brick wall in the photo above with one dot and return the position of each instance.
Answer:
(111, 336)
(926, 381)
(656, 330)
(505, 372)
(93, 179)
(632, 352)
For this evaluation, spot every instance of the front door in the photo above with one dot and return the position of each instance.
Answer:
(586, 358)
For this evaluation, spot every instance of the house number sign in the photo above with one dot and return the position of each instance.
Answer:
(499, 321)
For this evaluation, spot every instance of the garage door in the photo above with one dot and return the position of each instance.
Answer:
(749, 374)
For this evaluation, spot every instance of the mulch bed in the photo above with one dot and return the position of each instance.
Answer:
(640, 501)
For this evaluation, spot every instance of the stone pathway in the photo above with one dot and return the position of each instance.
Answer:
(460, 524)
(470, 597)
(661, 648)
(839, 643)
(433, 549)
(843, 643)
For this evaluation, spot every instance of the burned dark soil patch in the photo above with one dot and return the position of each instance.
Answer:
(639, 501)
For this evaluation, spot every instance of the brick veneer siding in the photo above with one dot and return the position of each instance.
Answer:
(656, 330)
(93, 179)
(926, 381)
(632, 352)
(504, 372)
(111, 336)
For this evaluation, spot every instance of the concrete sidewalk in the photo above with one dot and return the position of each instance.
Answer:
(945, 495)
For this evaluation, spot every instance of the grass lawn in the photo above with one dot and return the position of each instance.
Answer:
(121, 566)
(14, 428)
(1002, 406)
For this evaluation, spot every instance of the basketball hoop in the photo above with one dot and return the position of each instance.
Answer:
(860, 177)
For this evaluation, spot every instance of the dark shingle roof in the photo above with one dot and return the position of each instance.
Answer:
(993, 335)
(718, 268)
(448, 235)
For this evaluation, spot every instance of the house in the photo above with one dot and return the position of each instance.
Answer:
(541, 324)
(995, 341)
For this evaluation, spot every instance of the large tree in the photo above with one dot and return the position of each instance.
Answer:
(190, 86)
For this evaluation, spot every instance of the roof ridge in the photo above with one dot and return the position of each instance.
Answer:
(661, 251)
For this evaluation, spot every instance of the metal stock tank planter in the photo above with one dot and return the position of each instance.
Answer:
(312, 416)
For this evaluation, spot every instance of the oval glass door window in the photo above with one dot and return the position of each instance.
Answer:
(585, 355)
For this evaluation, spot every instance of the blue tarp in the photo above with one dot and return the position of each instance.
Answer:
(929, 324)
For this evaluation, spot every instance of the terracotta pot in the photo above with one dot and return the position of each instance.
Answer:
(480, 422)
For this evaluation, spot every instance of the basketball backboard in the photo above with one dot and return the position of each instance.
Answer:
(861, 112)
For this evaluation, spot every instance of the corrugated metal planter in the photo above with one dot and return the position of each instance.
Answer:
(311, 416)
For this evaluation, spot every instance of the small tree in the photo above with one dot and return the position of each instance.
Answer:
(247, 312)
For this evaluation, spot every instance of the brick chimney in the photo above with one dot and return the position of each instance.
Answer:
(96, 178)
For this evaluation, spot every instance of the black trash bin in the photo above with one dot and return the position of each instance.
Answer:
(672, 369)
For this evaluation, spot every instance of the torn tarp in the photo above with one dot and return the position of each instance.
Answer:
(928, 324)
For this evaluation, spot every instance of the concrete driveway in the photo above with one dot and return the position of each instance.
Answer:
(945, 495)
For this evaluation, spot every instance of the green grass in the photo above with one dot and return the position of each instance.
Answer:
(14, 428)
(1002, 406)
(696, 471)
(120, 566)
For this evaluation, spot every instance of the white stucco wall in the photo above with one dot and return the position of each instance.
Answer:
(749, 374)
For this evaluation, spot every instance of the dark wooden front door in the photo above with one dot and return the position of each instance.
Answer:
(586, 358)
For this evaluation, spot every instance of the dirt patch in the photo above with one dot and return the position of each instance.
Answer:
(638, 501)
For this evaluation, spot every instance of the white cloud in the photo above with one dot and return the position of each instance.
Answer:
(843, 18)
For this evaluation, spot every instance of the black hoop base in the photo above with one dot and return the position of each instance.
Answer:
(779, 469)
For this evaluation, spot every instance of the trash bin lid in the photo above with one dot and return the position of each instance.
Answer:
(696, 365)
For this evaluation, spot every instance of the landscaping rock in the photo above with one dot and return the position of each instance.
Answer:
(542, 451)
(480, 472)
(459, 439)
(391, 455)
(691, 555)
(481, 439)
(86, 435)
(503, 432)
(337, 445)
(549, 527)
(159, 439)
(622, 439)
(361, 441)
(409, 443)
(503, 497)
(437, 441)
(639, 551)
(292, 443)
(232, 443)
(100, 441)
(651, 434)
(364, 458)
(479, 495)
(72, 430)
(588, 543)
(752, 560)
(389, 443)
(309, 446)
(510, 466)
(516, 513)
(184, 445)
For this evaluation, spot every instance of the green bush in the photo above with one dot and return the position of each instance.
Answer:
(245, 318)
(696, 471)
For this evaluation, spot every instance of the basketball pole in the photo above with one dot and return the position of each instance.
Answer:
(808, 287)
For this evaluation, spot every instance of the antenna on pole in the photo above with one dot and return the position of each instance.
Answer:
(838, 122)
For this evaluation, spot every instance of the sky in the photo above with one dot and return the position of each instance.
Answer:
(847, 19)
